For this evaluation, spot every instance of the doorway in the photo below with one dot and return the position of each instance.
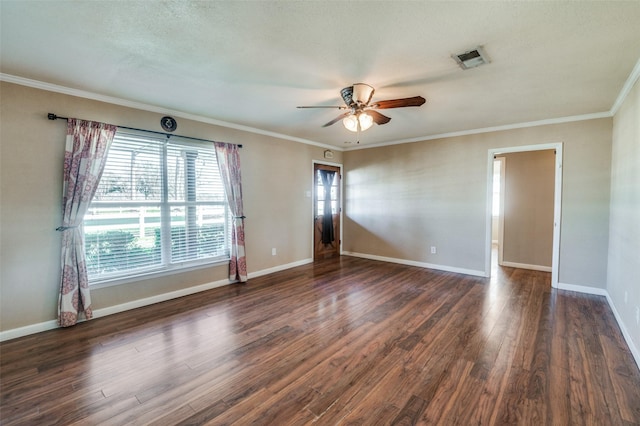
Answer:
(491, 194)
(497, 209)
(327, 210)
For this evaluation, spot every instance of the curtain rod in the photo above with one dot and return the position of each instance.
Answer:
(52, 116)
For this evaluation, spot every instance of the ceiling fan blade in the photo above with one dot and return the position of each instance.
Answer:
(399, 103)
(321, 106)
(338, 118)
(377, 117)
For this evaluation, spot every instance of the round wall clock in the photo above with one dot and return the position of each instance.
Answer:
(168, 124)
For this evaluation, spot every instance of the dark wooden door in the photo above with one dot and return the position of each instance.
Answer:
(322, 250)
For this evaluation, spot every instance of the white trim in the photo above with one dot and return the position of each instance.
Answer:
(415, 263)
(557, 204)
(626, 88)
(153, 108)
(625, 333)
(279, 268)
(603, 292)
(14, 333)
(628, 85)
(582, 289)
(557, 217)
(53, 324)
(583, 117)
(110, 310)
(134, 304)
(527, 266)
(503, 181)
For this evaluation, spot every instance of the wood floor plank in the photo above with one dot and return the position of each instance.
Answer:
(339, 341)
(559, 386)
(373, 391)
(445, 403)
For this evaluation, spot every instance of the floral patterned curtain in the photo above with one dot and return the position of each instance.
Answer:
(229, 165)
(84, 159)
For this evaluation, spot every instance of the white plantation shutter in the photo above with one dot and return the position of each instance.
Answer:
(160, 205)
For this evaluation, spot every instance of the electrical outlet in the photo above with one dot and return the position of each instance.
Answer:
(433, 250)
(273, 251)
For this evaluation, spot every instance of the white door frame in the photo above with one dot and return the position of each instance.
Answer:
(557, 203)
(313, 201)
(503, 162)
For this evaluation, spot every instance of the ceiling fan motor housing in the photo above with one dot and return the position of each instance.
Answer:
(347, 95)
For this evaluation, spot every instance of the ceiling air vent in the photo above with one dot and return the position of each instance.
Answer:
(471, 59)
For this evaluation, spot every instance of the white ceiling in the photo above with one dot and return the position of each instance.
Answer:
(251, 63)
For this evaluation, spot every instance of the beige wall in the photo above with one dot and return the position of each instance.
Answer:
(402, 199)
(276, 175)
(624, 231)
(399, 200)
(528, 207)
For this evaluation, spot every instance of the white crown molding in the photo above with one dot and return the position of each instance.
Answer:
(624, 92)
(633, 77)
(546, 122)
(628, 85)
(152, 108)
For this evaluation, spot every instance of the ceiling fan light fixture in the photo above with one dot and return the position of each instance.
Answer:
(365, 120)
(355, 122)
(350, 123)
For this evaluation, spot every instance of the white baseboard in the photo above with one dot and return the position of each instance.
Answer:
(582, 289)
(14, 333)
(52, 324)
(627, 337)
(280, 268)
(134, 304)
(415, 263)
(526, 266)
(189, 290)
(603, 292)
(110, 310)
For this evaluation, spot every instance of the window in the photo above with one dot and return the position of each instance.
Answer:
(320, 194)
(160, 205)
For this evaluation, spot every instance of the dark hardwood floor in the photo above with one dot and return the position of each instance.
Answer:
(347, 341)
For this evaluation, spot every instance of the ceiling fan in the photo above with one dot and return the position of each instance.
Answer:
(361, 112)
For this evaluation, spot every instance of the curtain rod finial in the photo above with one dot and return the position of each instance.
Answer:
(52, 116)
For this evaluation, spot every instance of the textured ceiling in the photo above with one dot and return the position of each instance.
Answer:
(251, 63)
